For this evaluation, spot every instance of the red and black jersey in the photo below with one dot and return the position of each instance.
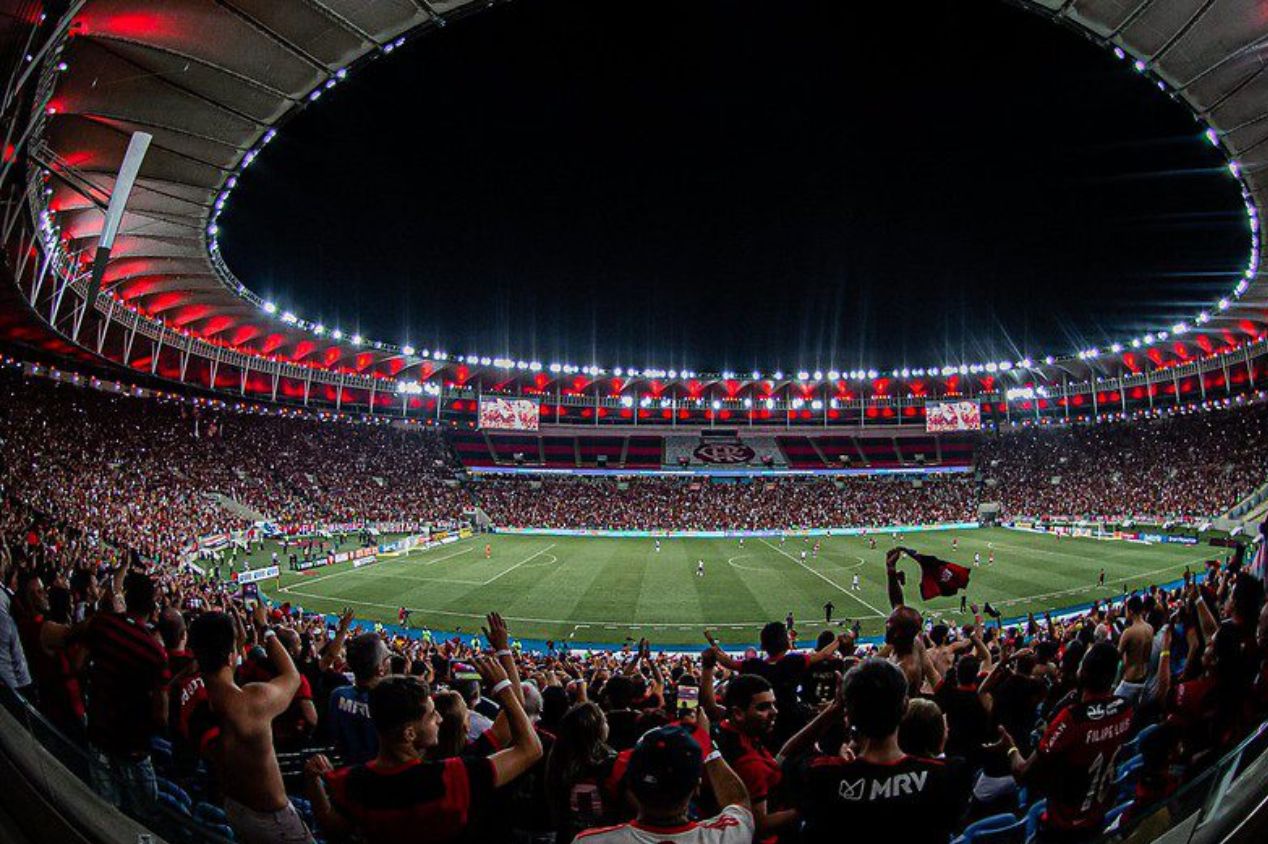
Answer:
(750, 760)
(419, 801)
(914, 799)
(60, 697)
(128, 664)
(1075, 762)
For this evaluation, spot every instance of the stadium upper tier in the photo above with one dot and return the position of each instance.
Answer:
(213, 83)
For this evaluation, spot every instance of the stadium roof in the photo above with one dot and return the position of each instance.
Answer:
(213, 80)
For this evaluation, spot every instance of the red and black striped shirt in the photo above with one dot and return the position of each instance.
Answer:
(127, 666)
(416, 802)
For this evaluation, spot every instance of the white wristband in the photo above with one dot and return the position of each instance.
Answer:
(715, 754)
(500, 685)
(503, 652)
(269, 633)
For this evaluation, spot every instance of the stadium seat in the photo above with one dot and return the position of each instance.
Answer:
(208, 813)
(1013, 833)
(1033, 816)
(175, 792)
(170, 803)
(985, 825)
(1129, 765)
(1113, 816)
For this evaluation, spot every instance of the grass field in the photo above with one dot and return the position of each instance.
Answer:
(605, 589)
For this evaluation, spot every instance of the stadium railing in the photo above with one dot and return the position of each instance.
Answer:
(48, 794)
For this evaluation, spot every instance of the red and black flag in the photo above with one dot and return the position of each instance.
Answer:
(938, 577)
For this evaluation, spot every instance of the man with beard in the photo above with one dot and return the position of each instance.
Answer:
(742, 737)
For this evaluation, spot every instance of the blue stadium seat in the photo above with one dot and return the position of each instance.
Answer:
(1014, 833)
(170, 803)
(210, 814)
(1129, 766)
(973, 831)
(175, 792)
(1113, 815)
(221, 829)
(1032, 817)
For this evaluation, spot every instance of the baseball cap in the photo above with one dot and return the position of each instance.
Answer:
(666, 765)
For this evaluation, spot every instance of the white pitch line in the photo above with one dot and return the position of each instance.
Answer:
(517, 565)
(836, 585)
(731, 561)
(320, 578)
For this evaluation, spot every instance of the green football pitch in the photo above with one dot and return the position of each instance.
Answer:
(598, 589)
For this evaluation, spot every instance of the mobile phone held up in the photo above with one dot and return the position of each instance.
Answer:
(688, 700)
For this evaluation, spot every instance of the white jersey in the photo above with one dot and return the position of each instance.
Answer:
(732, 825)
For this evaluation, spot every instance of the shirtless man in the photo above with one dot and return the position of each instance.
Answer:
(904, 645)
(255, 797)
(1136, 646)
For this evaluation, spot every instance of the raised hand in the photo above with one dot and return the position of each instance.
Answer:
(498, 636)
(490, 670)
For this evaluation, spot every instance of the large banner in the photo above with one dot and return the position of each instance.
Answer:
(509, 414)
(953, 416)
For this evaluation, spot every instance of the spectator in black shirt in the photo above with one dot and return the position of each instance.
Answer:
(872, 788)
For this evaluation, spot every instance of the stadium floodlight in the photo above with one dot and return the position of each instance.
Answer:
(757, 376)
(555, 368)
(798, 404)
(770, 404)
(627, 401)
(1212, 136)
(818, 375)
(1222, 304)
(1005, 365)
(1116, 347)
(407, 350)
(991, 367)
(1235, 169)
(666, 403)
(270, 308)
(1049, 359)
(779, 376)
(905, 372)
(673, 373)
(1140, 66)
(521, 364)
(337, 334)
(1120, 52)
(833, 375)
(618, 372)
(356, 339)
(802, 376)
(1149, 339)
(817, 404)
(1135, 342)
(748, 403)
(872, 373)
(1026, 363)
(319, 329)
(715, 404)
(289, 318)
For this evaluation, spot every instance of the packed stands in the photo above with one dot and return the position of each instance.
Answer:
(133, 658)
(1183, 468)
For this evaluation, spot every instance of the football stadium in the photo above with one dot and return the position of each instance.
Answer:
(542, 421)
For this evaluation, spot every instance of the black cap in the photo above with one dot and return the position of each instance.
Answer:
(666, 765)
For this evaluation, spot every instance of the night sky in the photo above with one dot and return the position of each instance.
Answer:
(738, 184)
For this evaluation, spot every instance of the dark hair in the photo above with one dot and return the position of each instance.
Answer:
(580, 751)
(451, 739)
(774, 638)
(875, 692)
(742, 689)
(1248, 597)
(397, 700)
(138, 594)
(171, 627)
(825, 639)
(365, 655)
(967, 668)
(1135, 605)
(938, 634)
(923, 730)
(397, 664)
(1099, 668)
(212, 637)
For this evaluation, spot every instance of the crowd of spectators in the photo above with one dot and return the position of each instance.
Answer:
(1182, 468)
(763, 504)
(270, 725)
(143, 474)
(193, 703)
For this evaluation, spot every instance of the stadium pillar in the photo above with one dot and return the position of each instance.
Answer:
(1096, 409)
(105, 327)
(308, 386)
(158, 347)
(1250, 370)
(1175, 381)
(127, 343)
(246, 369)
(185, 355)
(1065, 391)
(1122, 393)
(128, 172)
(1149, 389)
(277, 377)
(373, 389)
(1201, 384)
(1228, 384)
